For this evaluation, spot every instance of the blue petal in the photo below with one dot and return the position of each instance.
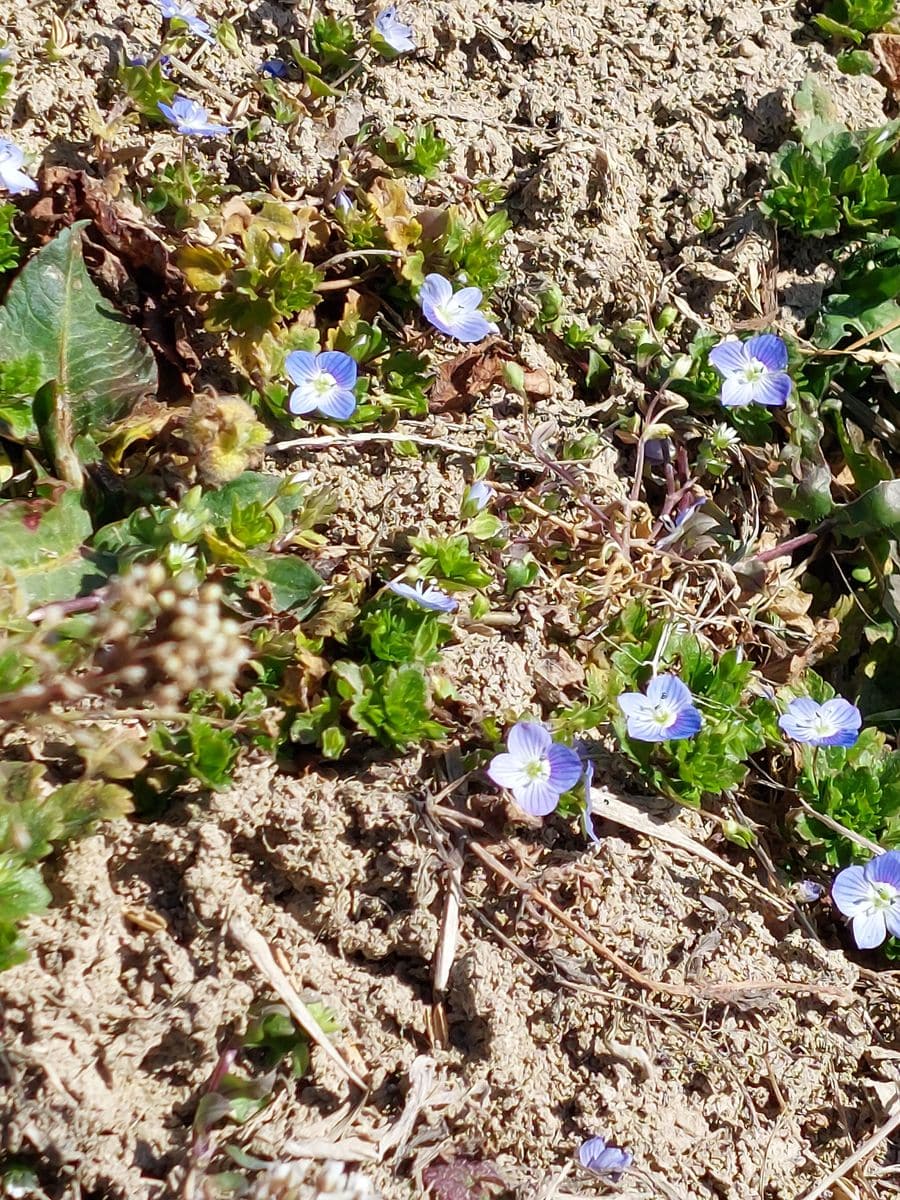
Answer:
(340, 405)
(168, 112)
(587, 816)
(869, 930)
(667, 688)
(892, 920)
(438, 600)
(341, 367)
(737, 392)
(772, 391)
(885, 868)
(769, 349)
(528, 740)
(686, 724)
(434, 290)
(842, 713)
(468, 298)
(591, 1149)
(469, 327)
(842, 737)
(300, 366)
(302, 401)
(850, 890)
(804, 706)
(538, 797)
(729, 356)
(506, 771)
(633, 704)
(565, 767)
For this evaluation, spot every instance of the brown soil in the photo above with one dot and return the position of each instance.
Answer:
(616, 124)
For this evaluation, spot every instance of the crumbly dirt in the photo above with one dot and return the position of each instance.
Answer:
(615, 124)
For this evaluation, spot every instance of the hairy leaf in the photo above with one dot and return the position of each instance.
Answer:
(99, 364)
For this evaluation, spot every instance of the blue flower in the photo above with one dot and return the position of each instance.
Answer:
(276, 67)
(324, 383)
(426, 595)
(870, 897)
(183, 10)
(807, 891)
(478, 496)
(190, 118)
(595, 1155)
(5, 54)
(455, 314)
(665, 714)
(397, 35)
(535, 769)
(141, 60)
(835, 723)
(754, 372)
(12, 177)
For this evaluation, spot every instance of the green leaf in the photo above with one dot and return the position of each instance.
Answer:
(99, 364)
(292, 582)
(876, 511)
(42, 553)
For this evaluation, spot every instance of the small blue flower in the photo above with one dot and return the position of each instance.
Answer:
(807, 891)
(658, 450)
(12, 178)
(837, 722)
(426, 595)
(666, 713)
(455, 314)
(870, 897)
(534, 768)
(275, 67)
(190, 118)
(342, 202)
(478, 496)
(754, 372)
(141, 60)
(183, 10)
(324, 383)
(5, 54)
(597, 1156)
(395, 33)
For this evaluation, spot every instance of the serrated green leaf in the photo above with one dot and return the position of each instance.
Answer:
(99, 364)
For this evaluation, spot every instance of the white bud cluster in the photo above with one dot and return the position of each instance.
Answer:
(165, 637)
(309, 1181)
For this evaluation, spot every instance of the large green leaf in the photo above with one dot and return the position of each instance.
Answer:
(42, 556)
(98, 363)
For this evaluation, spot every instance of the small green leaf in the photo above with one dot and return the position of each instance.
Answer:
(42, 552)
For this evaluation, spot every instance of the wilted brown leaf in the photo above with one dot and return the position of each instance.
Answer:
(395, 211)
(886, 48)
(473, 373)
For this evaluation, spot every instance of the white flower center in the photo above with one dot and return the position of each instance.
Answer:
(322, 383)
(537, 768)
(447, 313)
(664, 714)
(821, 727)
(754, 371)
(882, 896)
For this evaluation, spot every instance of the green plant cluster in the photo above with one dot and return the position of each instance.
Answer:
(834, 179)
